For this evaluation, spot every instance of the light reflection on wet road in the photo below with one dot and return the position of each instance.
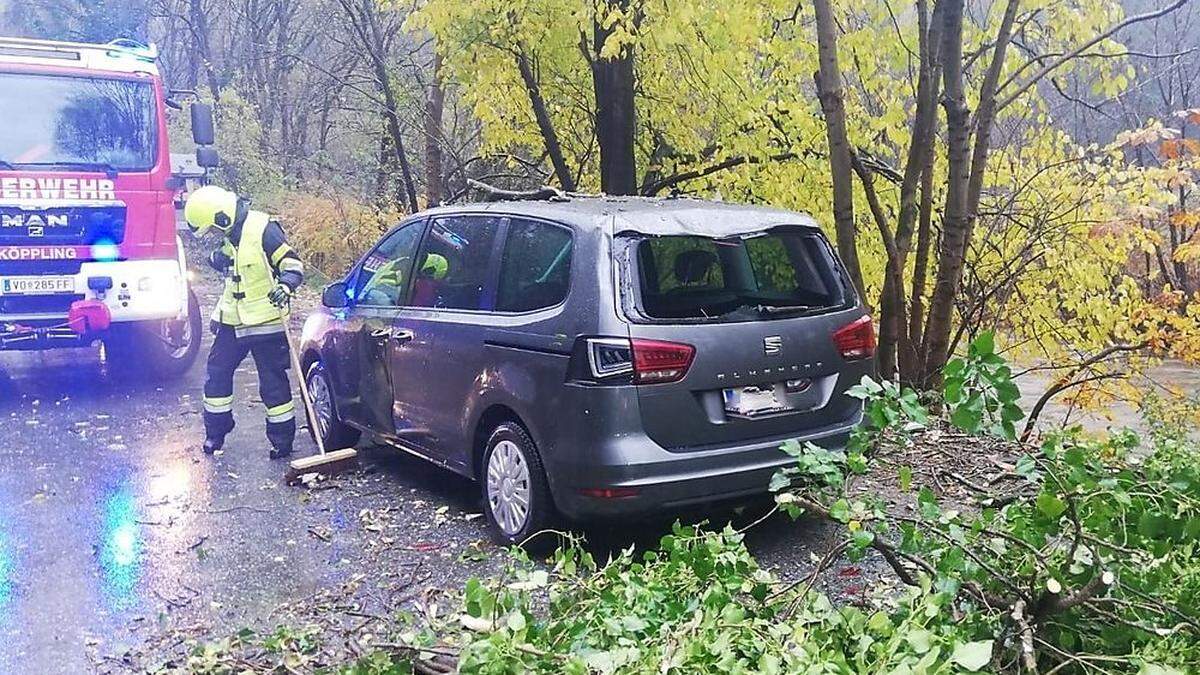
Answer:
(115, 528)
(110, 518)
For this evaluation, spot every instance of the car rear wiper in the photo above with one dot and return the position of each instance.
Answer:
(777, 310)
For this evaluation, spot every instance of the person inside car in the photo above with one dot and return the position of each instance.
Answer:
(387, 283)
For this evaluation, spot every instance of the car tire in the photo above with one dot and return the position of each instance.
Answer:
(512, 469)
(156, 350)
(335, 433)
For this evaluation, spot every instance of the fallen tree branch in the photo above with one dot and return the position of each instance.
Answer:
(491, 193)
(1069, 382)
(684, 176)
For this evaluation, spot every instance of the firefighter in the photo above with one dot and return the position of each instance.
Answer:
(261, 274)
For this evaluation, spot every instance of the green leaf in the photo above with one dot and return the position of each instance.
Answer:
(1026, 467)
(966, 418)
(920, 640)
(1050, 505)
(984, 344)
(953, 369)
(906, 478)
(972, 656)
(862, 538)
(840, 511)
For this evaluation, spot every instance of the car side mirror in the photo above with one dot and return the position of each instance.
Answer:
(336, 295)
(203, 132)
(207, 157)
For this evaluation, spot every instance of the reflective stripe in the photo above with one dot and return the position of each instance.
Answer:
(281, 413)
(291, 265)
(264, 329)
(218, 404)
(283, 250)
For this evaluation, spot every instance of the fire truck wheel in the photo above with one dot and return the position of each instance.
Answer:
(157, 350)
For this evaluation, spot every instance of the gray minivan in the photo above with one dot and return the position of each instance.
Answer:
(593, 357)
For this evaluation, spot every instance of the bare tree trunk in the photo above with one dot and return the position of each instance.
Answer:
(895, 341)
(366, 26)
(434, 105)
(545, 125)
(966, 174)
(954, 219)
(612, 81)
(829, 85)
(198, 17)
(916, 309)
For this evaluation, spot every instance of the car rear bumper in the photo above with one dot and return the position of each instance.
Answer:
(648, 478)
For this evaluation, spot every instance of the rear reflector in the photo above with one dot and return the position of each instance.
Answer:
(856, 340)
(657, 362)
(609, 492)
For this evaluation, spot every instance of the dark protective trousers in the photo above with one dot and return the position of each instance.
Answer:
(271, 360)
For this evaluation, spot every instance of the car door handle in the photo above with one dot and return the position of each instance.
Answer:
(397, 335)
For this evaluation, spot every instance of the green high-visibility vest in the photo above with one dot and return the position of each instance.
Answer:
(244, 304)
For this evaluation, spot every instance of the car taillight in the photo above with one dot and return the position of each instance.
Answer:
(656, 362)
(609, 356)
(649, 361)
(856, 340)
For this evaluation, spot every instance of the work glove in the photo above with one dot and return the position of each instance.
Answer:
(281, 295)
(219, 261)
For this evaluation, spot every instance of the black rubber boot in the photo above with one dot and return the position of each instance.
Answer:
(213, 444)
(281, 451)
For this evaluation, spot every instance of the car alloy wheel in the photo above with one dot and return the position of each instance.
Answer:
(509, 492)
(322, 402)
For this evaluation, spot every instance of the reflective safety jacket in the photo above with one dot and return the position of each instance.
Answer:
(261, 259)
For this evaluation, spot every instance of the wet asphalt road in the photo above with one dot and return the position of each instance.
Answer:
(114, 528)
(113, 525)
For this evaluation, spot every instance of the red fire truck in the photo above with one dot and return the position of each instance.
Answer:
(88, 244)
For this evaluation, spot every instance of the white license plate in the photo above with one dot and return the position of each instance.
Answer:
(47, 285)
(750, 401)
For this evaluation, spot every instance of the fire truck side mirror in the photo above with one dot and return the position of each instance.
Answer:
(207, 157)
(202, 124)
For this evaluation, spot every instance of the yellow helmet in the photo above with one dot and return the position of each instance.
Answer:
(434, 267)
(210, 206)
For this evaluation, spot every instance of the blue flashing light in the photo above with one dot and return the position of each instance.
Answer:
(104, 250)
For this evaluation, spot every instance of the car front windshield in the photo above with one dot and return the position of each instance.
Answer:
(57, 122)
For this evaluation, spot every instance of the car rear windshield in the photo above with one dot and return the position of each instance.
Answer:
(777, 273)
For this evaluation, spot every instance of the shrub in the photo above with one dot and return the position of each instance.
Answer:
(331, 234)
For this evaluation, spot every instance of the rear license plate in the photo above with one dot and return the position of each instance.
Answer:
(751, 401)
(43, 285)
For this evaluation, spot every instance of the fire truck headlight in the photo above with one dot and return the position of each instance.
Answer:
(145, 284)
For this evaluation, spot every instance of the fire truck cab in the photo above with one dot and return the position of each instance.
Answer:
(89, 249)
